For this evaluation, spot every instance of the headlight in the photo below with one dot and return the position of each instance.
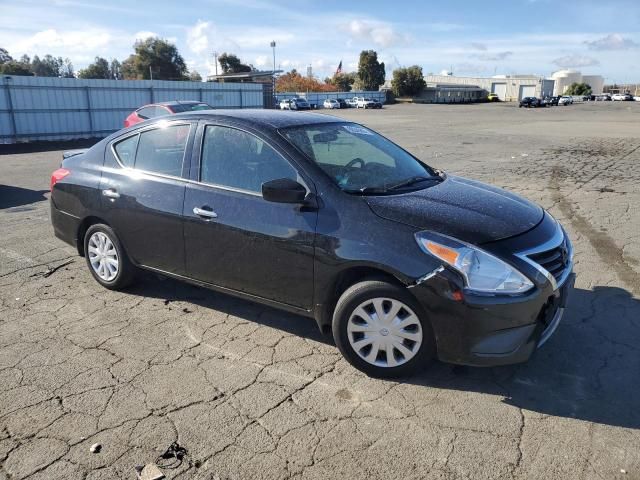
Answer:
(482, 271)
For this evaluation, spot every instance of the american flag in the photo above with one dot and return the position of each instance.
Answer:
(339, 69)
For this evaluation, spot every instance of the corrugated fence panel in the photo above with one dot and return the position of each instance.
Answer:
(39, 108)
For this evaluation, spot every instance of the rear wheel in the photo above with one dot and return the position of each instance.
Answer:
(382, 330)
(106, 259)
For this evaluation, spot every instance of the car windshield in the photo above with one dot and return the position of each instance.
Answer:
(359, 160)
(190, 107)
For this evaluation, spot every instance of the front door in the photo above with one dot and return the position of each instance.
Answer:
(233, 237)
(142, 194)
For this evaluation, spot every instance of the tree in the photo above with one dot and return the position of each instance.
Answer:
(370, 72)
(47, 66)
(294, 82)
(115, 69)
(195, 76)
(408, 81)
(230, 63)
(4, 56)
(343, 81)
(154, 55)
(98, 69)
(66, 70)
(13, 67)
(578, 89)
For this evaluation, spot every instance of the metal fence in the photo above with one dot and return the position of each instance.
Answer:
(40, 108)
(318, 98)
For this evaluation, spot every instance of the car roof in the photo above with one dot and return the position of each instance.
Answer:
(262, 117)
(178, 102)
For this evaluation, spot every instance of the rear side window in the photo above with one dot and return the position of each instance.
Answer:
(161, 150)
(126, 151)
(237, 159)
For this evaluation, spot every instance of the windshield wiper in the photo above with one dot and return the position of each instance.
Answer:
(367, 190)
(413, 180)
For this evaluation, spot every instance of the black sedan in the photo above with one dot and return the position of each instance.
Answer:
(531, 102)
(326, 218)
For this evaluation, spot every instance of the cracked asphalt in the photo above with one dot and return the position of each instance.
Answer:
(252, 392)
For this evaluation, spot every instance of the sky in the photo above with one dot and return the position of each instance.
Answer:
(469, 37)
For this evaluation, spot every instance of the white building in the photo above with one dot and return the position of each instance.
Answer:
(564, 78)
(509, 88)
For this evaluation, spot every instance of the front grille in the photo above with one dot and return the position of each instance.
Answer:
(554, 261)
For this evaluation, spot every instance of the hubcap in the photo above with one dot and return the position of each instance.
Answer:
(103, 256)
(384, 332)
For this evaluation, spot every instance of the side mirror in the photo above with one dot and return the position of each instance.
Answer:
(283, 190)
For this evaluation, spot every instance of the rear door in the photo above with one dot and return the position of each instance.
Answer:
(142, 189)
(233, 237)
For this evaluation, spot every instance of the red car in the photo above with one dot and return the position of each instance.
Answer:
(164, 108)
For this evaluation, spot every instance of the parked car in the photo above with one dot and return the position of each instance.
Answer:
(365, 103)
(331, 103)
(493, 97)
(155, 110)
(342, 102)
(352, 102)
(553, 101)
(327, 219)
(637, 98)
(285, 104)
(530, 102)
(294, 104)
(603, 98)
(565, 100)
(621, 97)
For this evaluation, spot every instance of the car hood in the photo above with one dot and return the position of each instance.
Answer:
(465, 209)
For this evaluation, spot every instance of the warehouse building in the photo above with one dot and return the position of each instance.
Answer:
(509, 88)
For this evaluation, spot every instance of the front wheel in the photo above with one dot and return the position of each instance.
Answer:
(382, 330)
(106, 259)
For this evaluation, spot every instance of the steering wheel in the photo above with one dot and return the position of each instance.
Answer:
(354, 161)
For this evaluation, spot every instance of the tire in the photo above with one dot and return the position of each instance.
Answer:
(100, 240)
(355, 312)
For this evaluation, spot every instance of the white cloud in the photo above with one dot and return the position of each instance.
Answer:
(495, 57)
(74, 41)
(262, 61)
(379, 33)
(144, 34)
(445, 27)
(576, 61)
(613, 41)
(479, 46)
(198, 37)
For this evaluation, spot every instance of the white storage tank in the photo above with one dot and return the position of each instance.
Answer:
(596, 82)
(564, 78)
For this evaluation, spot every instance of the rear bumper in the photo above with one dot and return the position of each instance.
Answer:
(65, 226)
(491, 331)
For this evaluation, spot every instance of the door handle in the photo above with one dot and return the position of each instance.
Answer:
(201, 212)
(110, 193)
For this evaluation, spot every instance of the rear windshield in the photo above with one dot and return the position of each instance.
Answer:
(190, 107)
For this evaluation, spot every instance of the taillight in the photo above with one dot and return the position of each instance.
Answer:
(58, 175)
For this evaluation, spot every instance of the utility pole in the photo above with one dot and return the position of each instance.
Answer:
(150, 73)
(215, 61)
(273, 73)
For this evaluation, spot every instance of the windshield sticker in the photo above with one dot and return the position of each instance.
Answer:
(357, 129)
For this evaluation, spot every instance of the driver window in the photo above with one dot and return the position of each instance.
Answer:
(237, 159)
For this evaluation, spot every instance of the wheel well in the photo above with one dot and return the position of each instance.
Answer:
(346, 279)
(82, 229)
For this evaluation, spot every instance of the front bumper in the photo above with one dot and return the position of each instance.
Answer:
(491, 330)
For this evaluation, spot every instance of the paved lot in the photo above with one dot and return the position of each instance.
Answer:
(252, 393)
